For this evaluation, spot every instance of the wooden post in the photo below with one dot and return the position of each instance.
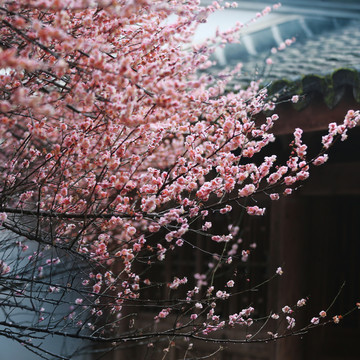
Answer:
(287, 249)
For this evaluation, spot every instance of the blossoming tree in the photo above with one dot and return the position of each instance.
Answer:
(116, 149)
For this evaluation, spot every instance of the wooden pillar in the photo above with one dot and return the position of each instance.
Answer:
(287, 249)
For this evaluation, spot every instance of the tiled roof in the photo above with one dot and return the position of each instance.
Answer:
(325, 59)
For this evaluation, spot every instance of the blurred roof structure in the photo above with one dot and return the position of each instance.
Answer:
(348, 9)
(325, 58)
(324, 61)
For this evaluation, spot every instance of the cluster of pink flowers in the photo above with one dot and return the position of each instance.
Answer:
(163, 314)
(4, 268)
(177, 282)
(242, 318)
(124, 150)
